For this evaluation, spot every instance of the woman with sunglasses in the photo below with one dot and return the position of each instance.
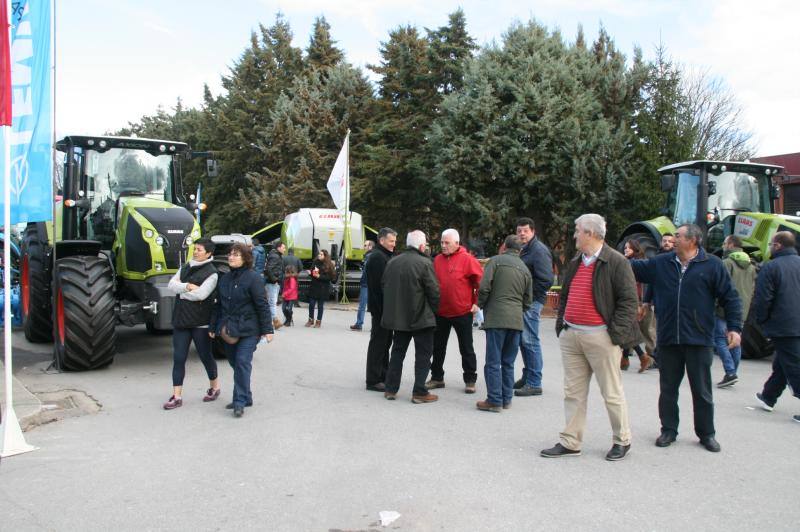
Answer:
(241, 316)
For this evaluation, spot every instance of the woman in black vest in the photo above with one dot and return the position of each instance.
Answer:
(194, 285)
(241, 316)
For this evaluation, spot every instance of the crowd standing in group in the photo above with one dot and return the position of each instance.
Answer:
(683, 304)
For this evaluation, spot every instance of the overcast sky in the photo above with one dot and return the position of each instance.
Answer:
(119, 60)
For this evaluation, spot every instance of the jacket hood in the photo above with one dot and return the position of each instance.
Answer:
(194, 263)
(740, 258)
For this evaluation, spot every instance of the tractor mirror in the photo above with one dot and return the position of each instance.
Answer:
(212, 169)
(775, 192)
(667, 182)
(712, 188)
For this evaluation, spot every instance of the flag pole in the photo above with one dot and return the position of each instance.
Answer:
(11, 440)
(347, 240)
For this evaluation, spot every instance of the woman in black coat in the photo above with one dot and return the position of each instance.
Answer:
(322, 273)
(241, 316)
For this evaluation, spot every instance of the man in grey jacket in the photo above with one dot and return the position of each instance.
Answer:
(505, 293)
(410, 297)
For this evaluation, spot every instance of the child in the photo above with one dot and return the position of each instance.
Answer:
(289, 294)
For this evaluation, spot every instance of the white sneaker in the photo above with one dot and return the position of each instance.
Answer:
(763, 403)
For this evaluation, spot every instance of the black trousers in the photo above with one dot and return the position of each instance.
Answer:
(423, 347)
(469, 362)
(695, 361)
(380, 340)
(785, 369)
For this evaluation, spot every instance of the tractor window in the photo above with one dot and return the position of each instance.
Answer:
(739, 192)
(121, 172)
(684, 199)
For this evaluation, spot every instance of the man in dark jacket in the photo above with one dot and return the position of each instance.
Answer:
(687, 285)
(775, 307)
(505, 294)
(411, 295)
(539, 261)
(273, 272)
(596, 318)
(259, 257)
(380, 339)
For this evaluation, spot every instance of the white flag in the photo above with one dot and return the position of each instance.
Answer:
(339, 181)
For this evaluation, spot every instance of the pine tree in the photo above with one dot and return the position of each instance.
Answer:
(322, 52)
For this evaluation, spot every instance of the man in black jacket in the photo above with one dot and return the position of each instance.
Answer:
(775, 307)
(380, 339)
(539, 261)
(411, 296)
(273, 273)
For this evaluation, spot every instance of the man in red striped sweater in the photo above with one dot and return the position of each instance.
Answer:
(596, 317)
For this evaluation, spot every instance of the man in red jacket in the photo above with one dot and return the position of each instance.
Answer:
(459, 275)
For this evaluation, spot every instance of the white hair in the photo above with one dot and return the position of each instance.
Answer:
(451, 232)
(593, 224)
(415, 239)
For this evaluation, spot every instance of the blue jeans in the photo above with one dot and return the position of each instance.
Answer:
(531, 347)
(501, 351)
(730, 357)
(240, 357)
(272, 299)
(362, 306)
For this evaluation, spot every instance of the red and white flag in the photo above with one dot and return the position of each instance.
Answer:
(5, 67)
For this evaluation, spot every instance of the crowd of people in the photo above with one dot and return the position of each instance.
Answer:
(682, 304)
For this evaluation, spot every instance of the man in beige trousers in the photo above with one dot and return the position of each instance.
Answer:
(596, 318)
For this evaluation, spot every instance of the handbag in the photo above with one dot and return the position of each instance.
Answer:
(227, 338)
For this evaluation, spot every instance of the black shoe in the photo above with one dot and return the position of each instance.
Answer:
(617, 452)
(229, 406)
(728, 380)
(238, 411)
(527, 391)
(763, 403)
(377, 387)
(520, 383)
(558, 451)
(796, 418)
(665, 439)
(711, 444)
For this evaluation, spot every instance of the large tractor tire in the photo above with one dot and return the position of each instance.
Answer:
(85, 333)
(646, 240)
(754, 343)
(37, 314)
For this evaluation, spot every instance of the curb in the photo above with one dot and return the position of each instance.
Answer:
(27, 406)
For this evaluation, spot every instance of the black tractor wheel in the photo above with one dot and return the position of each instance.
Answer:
(754, 343)
(85, 333)
(646, 240)
(37, 314)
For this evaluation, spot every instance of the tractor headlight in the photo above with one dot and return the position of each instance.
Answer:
(160, 240)
(148, 233)
(188, 241)
(196, 233)
(159, 267)
(162, 148)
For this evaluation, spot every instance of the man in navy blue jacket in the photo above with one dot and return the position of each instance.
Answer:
(775, 307)
(687, 284)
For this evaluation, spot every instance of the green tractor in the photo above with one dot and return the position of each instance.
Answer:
(122, 229)
(723, 198)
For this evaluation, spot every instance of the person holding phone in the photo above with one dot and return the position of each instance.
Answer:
(322, 273)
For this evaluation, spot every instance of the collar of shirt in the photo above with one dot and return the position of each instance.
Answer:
(684, 266)
(587, 261)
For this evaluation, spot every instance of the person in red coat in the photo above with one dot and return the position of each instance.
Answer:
(459, 275)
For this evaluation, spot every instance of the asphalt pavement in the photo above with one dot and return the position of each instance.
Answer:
(318, 453)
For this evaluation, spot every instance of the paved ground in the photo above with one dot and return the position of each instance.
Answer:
(317, 452)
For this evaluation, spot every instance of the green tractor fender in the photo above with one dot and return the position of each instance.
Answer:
(648, 233)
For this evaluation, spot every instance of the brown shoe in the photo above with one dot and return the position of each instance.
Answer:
(645, 361)
(624, 363)
(469, 387)
(419, 399)
(390, 396)
(317, 324)
(486, 406)
(506, 406)
(432, 384)
(276, 323)
(309, 323)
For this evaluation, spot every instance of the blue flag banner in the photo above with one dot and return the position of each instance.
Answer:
(31, 136)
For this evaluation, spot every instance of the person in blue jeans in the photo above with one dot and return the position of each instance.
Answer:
(363, 293)
(539, 260)
(241, 317)
(505, 293)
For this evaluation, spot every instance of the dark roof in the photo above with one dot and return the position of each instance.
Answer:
(789, 161)
(733, 166)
